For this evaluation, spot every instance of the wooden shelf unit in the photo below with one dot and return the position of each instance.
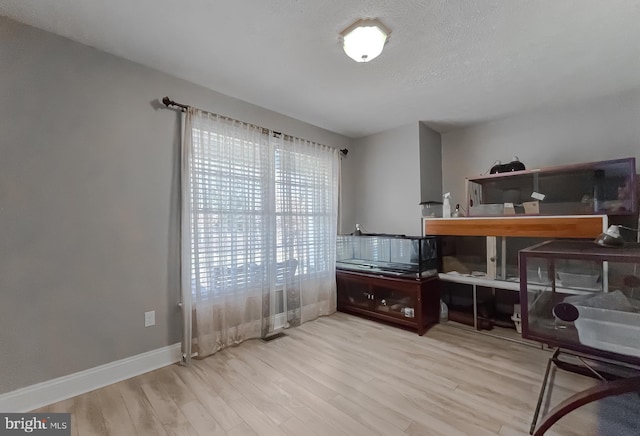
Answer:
(554, 227)
(495, 228)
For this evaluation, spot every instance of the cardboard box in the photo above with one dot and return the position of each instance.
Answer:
(509, 209)
(531, 207)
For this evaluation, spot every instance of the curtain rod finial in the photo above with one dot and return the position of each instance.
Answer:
(344, 151)
(167, 101)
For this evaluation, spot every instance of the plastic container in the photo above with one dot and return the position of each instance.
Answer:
(610, 330)
(444, 312)
(431, 209)
(590, 281)
(446, 207)
(487, 210)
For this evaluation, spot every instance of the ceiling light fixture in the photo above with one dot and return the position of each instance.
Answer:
(364, 39)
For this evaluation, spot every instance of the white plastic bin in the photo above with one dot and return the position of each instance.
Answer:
(609, 330)
(487, 210)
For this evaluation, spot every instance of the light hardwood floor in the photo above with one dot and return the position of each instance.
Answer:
(338, 376)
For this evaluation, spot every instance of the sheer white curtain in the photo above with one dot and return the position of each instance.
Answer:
(306, 182)
(259, 225)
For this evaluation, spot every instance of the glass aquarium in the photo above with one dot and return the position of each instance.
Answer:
(582, 296)
(391, 255)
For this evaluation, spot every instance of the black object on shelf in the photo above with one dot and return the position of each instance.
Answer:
(514, 165)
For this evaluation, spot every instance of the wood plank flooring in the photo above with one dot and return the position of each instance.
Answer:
(339, 376)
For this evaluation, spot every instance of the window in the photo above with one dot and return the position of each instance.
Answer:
(303, 210)
(261, 207)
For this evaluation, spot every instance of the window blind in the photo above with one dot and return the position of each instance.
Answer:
(260, 204)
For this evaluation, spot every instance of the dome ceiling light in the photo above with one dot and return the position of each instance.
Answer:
(364, 40)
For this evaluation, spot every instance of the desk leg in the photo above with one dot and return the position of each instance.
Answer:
(542, 389)
(475, 308)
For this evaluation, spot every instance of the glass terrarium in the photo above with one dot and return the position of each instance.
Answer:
(391, 255)
(581, 296)
(605, 187)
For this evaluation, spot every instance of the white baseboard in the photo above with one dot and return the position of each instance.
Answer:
(51, 391)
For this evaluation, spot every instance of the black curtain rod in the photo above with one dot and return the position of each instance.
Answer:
(183, 107)
(168, 102)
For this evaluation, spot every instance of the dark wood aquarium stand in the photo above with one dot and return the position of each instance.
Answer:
(410, 303)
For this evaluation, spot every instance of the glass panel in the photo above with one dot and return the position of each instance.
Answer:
(577, 274)
(372, 248)
(513, 247)
(394, 302)
(344, 248)
(538, 271)
(464, 254)
(356, 294)
(542, 322)
(403, 251)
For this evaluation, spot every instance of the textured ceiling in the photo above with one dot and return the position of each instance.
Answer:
(448, 62)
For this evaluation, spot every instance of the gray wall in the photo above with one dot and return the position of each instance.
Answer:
(430, 164)
(89, 203)
(604, 128)
(348, 195)
(387, 175)
(381, 175)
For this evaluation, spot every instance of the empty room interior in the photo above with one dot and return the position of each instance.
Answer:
(297, 217)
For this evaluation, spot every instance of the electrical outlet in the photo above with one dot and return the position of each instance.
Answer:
(150, 318)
